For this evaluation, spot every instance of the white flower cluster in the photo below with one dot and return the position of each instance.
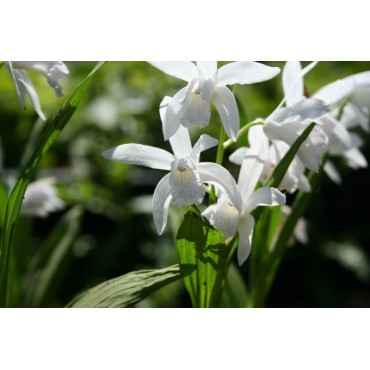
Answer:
(336, 109)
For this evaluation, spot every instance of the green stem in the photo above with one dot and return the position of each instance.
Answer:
(241, 132)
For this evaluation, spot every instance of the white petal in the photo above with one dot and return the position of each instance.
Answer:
(225, 103)
(312, 149)
(40, 198)
(332, 173)
(26, 82)
(293, 88)
(183, 70)
(161, 202)
(217, 175)
(18, 85)
(53, 71)
(238, 156)
(245, 229)
(223, 216)
(170, 111)
(204, 142)
(207, 69)
(186, 184)
(195, 107)
(245, 73)
(256, 136)
(142, 155)
(265, 197)
(355, 159)
(308, 109)
(180, 143)
(250, 172)
(335, 91)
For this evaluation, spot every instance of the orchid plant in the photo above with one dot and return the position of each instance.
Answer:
(228, 212)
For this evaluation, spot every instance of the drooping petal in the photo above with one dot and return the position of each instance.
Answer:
(225, 103)
(220, 177)
(223, 216)
(53, 71)
(264, 197)
(293, 88)
(18, 85)
(204, 142)
(26, 82)
(245, 73)
(339, 137)
(161, 201)
(142, 155)
(183, 70)
(355, 159)
(207, 69)
(245, 229)
(170, 111)
(332, 173)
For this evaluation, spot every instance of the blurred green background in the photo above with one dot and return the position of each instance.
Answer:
(107, 229)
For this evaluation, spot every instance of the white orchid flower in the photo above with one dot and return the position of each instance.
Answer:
(53, 71)
(273, 153)
(341, 141)
(229, 219)
(41, 199)
(287, 124)
(183, 185)
(353, 90)
(191, 105)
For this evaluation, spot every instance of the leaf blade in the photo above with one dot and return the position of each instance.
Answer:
(129, 289)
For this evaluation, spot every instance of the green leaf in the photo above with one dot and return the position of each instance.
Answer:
(52, 131)
(235, 294)
(3, 201)
(129, 289)
(201, 245)
(52, 258)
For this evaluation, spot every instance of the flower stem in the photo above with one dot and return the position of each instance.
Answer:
(242, 131)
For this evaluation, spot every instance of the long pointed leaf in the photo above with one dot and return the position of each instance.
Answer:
(129, 289)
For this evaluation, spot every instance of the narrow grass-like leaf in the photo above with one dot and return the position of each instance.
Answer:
(201, 245)
(3, 201)
(129, 289)
(52, 130)
(52, 259)
(235, 294)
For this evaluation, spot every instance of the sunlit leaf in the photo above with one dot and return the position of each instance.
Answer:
(129, 289)
(203, 246)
